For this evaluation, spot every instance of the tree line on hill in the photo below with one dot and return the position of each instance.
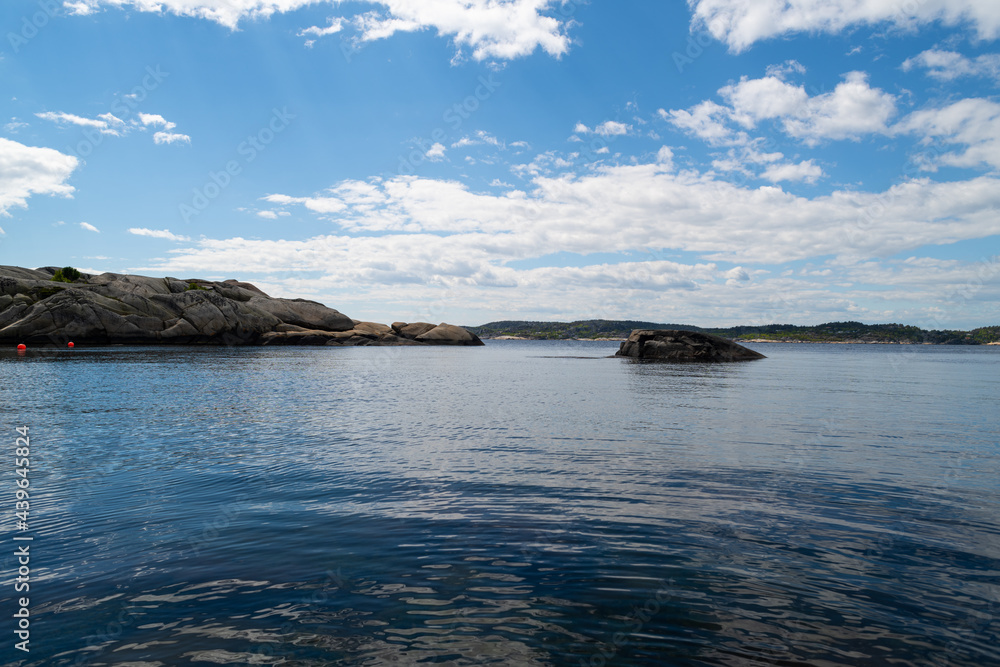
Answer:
(831, 332)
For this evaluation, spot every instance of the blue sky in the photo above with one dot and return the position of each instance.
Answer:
(713, 162)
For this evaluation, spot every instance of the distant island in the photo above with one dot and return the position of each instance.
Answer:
(831, 332)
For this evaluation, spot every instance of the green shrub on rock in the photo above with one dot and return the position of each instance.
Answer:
(67, 274)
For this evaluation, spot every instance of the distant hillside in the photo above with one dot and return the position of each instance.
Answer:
(841, 332)
(566, 330)
(831, 332)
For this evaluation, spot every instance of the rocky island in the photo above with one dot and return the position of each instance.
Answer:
(679, 345)
(56, 306)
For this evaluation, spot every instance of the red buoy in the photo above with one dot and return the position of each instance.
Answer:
(69, 344)
(22, 346)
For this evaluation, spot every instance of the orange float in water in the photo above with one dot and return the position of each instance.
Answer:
(69, 344)
(22, 346)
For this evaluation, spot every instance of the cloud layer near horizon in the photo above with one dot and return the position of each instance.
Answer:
(409, 233)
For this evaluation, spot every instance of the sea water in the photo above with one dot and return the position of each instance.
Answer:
(526, 503)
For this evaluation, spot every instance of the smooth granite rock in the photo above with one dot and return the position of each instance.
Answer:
(677, 345)
(373, 328)
(449, 334)
(113, 308)
(372, 333)
(413, 330)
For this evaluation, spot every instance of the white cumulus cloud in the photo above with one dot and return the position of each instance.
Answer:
(157, 234)
(806, 171)
(28, 170)
(322, 205)
(620, 209)
(490, 29)
(950, 65)
(973, 124)
(105, 124)
(851, 110)
(609, 128)
(706, 120)
(163, 136)
(736, 276)
(89, 227)
(336, 25)
(757, 99)
(741, 23)
(156, 120)
(435, 153)
(170, 138)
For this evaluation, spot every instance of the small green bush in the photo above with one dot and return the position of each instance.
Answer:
(66, 274)
(193, 286)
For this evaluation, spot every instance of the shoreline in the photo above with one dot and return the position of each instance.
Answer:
(830, 332)
(753, 340)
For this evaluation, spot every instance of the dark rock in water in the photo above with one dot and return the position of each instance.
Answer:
(677, 345)
(113, 308)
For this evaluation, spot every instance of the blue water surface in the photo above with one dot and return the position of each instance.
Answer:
(526, 503)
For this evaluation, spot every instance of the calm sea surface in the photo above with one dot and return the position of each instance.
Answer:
(526, 503)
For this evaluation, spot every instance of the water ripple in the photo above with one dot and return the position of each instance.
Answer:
(373, 507)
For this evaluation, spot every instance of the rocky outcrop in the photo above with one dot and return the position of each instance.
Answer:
(677, 345)
(113, 308)
(372, 333)
(372, 328)
(448, 334)
(411, 331)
